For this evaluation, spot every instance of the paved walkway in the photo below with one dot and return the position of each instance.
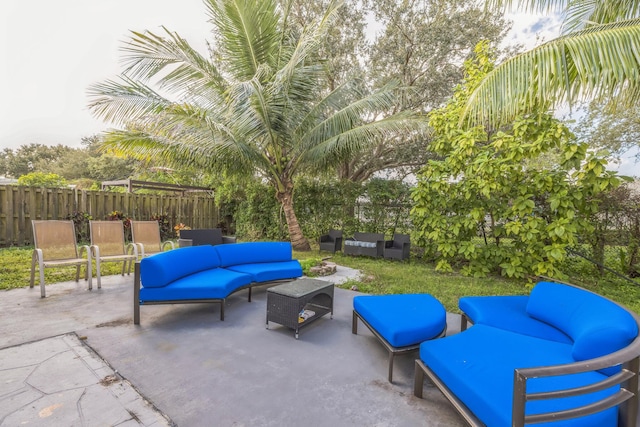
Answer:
(76, 359)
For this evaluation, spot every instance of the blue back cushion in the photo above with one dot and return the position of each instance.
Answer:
(163, 268)
(253, 252)
(596, 325)
(510, 313)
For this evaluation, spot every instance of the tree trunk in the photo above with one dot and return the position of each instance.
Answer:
(298, 241)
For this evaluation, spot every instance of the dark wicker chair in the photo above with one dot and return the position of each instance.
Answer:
(204, 236)
(331, 242)
(398, 248)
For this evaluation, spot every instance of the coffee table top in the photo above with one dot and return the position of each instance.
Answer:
(300, 287)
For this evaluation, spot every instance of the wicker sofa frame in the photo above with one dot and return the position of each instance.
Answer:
(626, 397)
(376, 251)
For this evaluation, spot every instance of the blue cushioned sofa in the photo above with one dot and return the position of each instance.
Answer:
(206, 273)
(561, 354)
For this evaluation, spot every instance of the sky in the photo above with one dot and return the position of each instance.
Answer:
(52, 51)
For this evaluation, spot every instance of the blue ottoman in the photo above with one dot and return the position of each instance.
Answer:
(401, 322)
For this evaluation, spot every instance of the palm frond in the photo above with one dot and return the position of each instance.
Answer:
(339, 146)
(179, 66)
(249, 33)
(585, 13)
(349, 115)
(599, 62)
(122, 101)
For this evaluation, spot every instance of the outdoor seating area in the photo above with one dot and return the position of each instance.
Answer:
(512, 367)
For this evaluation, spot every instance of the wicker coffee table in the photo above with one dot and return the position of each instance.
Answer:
(299, 303)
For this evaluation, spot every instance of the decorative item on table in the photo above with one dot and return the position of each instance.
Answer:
(305, 314)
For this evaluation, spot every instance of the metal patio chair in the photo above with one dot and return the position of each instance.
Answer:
(108, 245)
(146, 235)
(55, 246)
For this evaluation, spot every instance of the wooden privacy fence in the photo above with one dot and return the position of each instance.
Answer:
(19, 205)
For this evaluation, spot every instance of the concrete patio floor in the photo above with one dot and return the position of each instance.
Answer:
(75, 358)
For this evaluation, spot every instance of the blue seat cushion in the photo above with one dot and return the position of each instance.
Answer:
(596, 325)
(253, 252)
(403, 319)
(163, 268)
(217, 283)
(477, 365)
(266, 271)
(510, 313)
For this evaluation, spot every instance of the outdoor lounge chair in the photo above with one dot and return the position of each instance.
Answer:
(107, 245)
(331, 242)
(55, 246)
(146, 235)
(398, 248)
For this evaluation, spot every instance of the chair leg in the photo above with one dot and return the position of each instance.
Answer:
(33, 269)
(98, 273)
(78, 273)
(418, 381)
(354, 323)
(88, 272)
(391, 357)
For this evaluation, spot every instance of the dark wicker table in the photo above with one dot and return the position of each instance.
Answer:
(286, 302)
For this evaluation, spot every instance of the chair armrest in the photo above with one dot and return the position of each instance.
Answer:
(185, 242)
(229, 239)
(166, 244)
(131, 248)
(627, 378)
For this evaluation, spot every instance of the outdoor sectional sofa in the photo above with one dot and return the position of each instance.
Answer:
(206, 273)
(562, 353)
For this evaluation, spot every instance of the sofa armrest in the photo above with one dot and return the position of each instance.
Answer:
(229, 239)
(627, 396)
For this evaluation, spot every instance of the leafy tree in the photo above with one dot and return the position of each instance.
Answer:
(422, 44)
(595, 58)
(30, 158)
(42, 179)
(617, 131)
(488, 184)
(259, 105)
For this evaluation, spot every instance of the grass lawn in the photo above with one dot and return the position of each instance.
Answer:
(379, 277)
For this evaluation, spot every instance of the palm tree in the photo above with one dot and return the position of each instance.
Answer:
(258, 104)
(597, 57)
